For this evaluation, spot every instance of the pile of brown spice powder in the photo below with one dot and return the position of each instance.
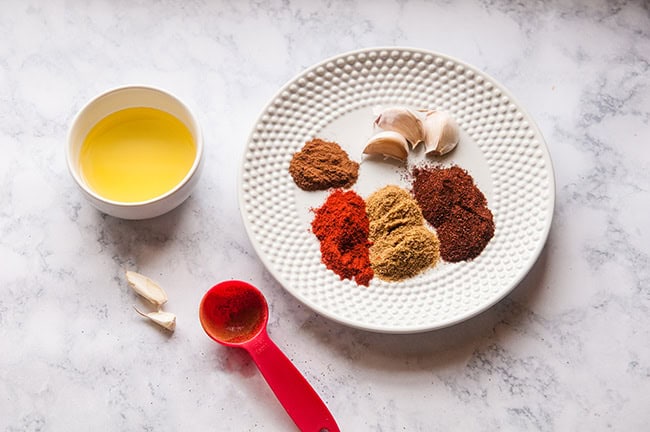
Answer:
(454, 205)
(402, 245)
(321, 165)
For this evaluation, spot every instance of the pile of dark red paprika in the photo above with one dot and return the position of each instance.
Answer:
(447, 196)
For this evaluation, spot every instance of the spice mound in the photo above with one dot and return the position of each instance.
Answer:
(389, 208)
(321, 165)
(454, 205)
(402, 246)
(341, 225)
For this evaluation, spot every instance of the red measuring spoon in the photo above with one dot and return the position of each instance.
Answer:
(235, 314)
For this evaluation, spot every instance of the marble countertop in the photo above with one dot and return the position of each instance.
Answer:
(568, 349)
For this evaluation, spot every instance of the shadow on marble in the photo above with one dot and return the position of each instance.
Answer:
(132, 243)
(437, 349)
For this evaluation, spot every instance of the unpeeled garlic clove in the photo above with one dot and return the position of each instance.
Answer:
(441, 133)
(163, 319)
(146, 288)
(388, 143)
(402, 121)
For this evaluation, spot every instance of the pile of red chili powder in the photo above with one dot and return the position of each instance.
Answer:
(341, 224)
(454, 205)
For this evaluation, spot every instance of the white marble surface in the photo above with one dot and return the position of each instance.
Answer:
(569, 349)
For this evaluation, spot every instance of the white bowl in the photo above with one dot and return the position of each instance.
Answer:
(116, 100)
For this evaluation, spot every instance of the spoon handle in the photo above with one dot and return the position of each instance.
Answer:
(296, 395)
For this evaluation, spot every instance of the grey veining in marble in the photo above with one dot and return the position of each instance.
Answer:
(567, 350)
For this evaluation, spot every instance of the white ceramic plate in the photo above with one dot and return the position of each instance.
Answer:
(500, 147)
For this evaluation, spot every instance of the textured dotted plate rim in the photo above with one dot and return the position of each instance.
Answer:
(264, 172)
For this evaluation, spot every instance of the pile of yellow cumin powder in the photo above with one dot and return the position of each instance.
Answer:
(402, 245)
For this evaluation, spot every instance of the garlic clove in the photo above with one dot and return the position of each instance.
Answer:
(163, 319)
(388, 143)
(441, 133)
(403, 121)
(146, 288)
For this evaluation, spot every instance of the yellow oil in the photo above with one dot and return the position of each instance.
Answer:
(136, 154)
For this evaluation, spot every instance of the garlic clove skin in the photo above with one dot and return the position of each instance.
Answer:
(403, 121)
(441, 133)
(146, 288)
(388, 143)
(164, 319)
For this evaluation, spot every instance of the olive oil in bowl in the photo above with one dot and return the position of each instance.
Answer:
(136, 154)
